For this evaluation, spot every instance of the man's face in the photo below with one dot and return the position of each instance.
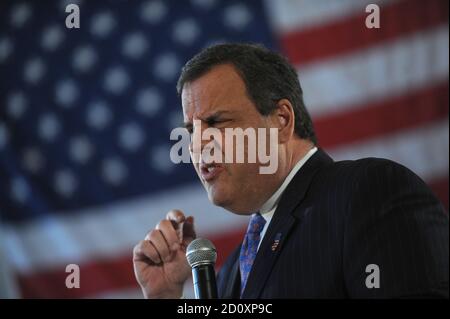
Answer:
(218, 99)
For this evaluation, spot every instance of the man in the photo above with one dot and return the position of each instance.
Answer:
(319, 228)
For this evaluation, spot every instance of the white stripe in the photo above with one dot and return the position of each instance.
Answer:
(424, 150)
(8, 287)
(27, 245)
(291, 15)
(110, 230)
(386, 70)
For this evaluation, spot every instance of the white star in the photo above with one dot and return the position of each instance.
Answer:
(20, 190)
(52, 37)
(65, 183)
(20, 14)
(160, 159)
(131, 137)
(6, 48)
(84, 58)
(114, 171)
(116, 80)
(134, 45)
(166, 66)
(34, 70)
(80, 149)
(102, 24)
(237, 17)
(186, 31)
(48, 127)
(33, 160)
(149, 101)
(16, 104)
(98, 115)
(4, 135)
(153, 11)
(66, 93)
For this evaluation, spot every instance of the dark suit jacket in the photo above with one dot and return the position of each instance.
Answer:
(336, 218)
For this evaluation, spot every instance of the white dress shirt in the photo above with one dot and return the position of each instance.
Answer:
(269, 207)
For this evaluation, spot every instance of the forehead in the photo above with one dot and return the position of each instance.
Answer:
(221, 87)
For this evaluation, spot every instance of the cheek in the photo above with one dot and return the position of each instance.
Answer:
(243, 174)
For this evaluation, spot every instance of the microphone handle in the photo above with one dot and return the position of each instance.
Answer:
(204, 279)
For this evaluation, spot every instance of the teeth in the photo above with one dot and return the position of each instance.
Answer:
(210, 168)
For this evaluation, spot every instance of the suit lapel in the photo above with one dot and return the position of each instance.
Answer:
(281, 225)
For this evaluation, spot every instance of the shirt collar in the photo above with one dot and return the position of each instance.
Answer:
(269, 206)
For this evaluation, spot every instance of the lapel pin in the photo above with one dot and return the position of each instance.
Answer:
(276, 242)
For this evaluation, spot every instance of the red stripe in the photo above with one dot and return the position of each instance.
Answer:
(102, 276)
(96, 277)
(349, 34)
(364, 122)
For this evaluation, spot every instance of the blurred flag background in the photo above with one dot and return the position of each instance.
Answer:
(85, 118)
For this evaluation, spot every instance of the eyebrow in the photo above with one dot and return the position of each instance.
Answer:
(212, 117)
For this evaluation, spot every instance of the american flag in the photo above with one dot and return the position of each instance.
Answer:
(86, 114)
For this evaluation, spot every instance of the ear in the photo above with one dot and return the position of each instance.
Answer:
(284, 117)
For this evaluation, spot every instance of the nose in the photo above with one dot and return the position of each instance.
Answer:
(199, 140)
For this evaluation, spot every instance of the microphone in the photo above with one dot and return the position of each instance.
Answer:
(201, 256)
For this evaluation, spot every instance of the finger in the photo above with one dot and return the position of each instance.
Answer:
(160, 244)
(177, 218)
(169, 233)
(175, 215)
(190, 219)
(145, 250)
(188, 228)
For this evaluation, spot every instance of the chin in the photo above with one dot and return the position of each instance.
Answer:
(226, 203)
(217, 199)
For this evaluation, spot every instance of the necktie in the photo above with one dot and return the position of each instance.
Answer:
(249, 247)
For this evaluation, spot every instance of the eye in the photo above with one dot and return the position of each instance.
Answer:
(214, 122)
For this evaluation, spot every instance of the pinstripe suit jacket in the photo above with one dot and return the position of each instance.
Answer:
(336, 218)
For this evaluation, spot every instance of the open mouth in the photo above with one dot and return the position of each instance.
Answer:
(211, 171)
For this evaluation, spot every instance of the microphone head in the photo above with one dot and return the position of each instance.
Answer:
(201, 252)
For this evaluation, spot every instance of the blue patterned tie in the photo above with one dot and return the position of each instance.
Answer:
(249, 247)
